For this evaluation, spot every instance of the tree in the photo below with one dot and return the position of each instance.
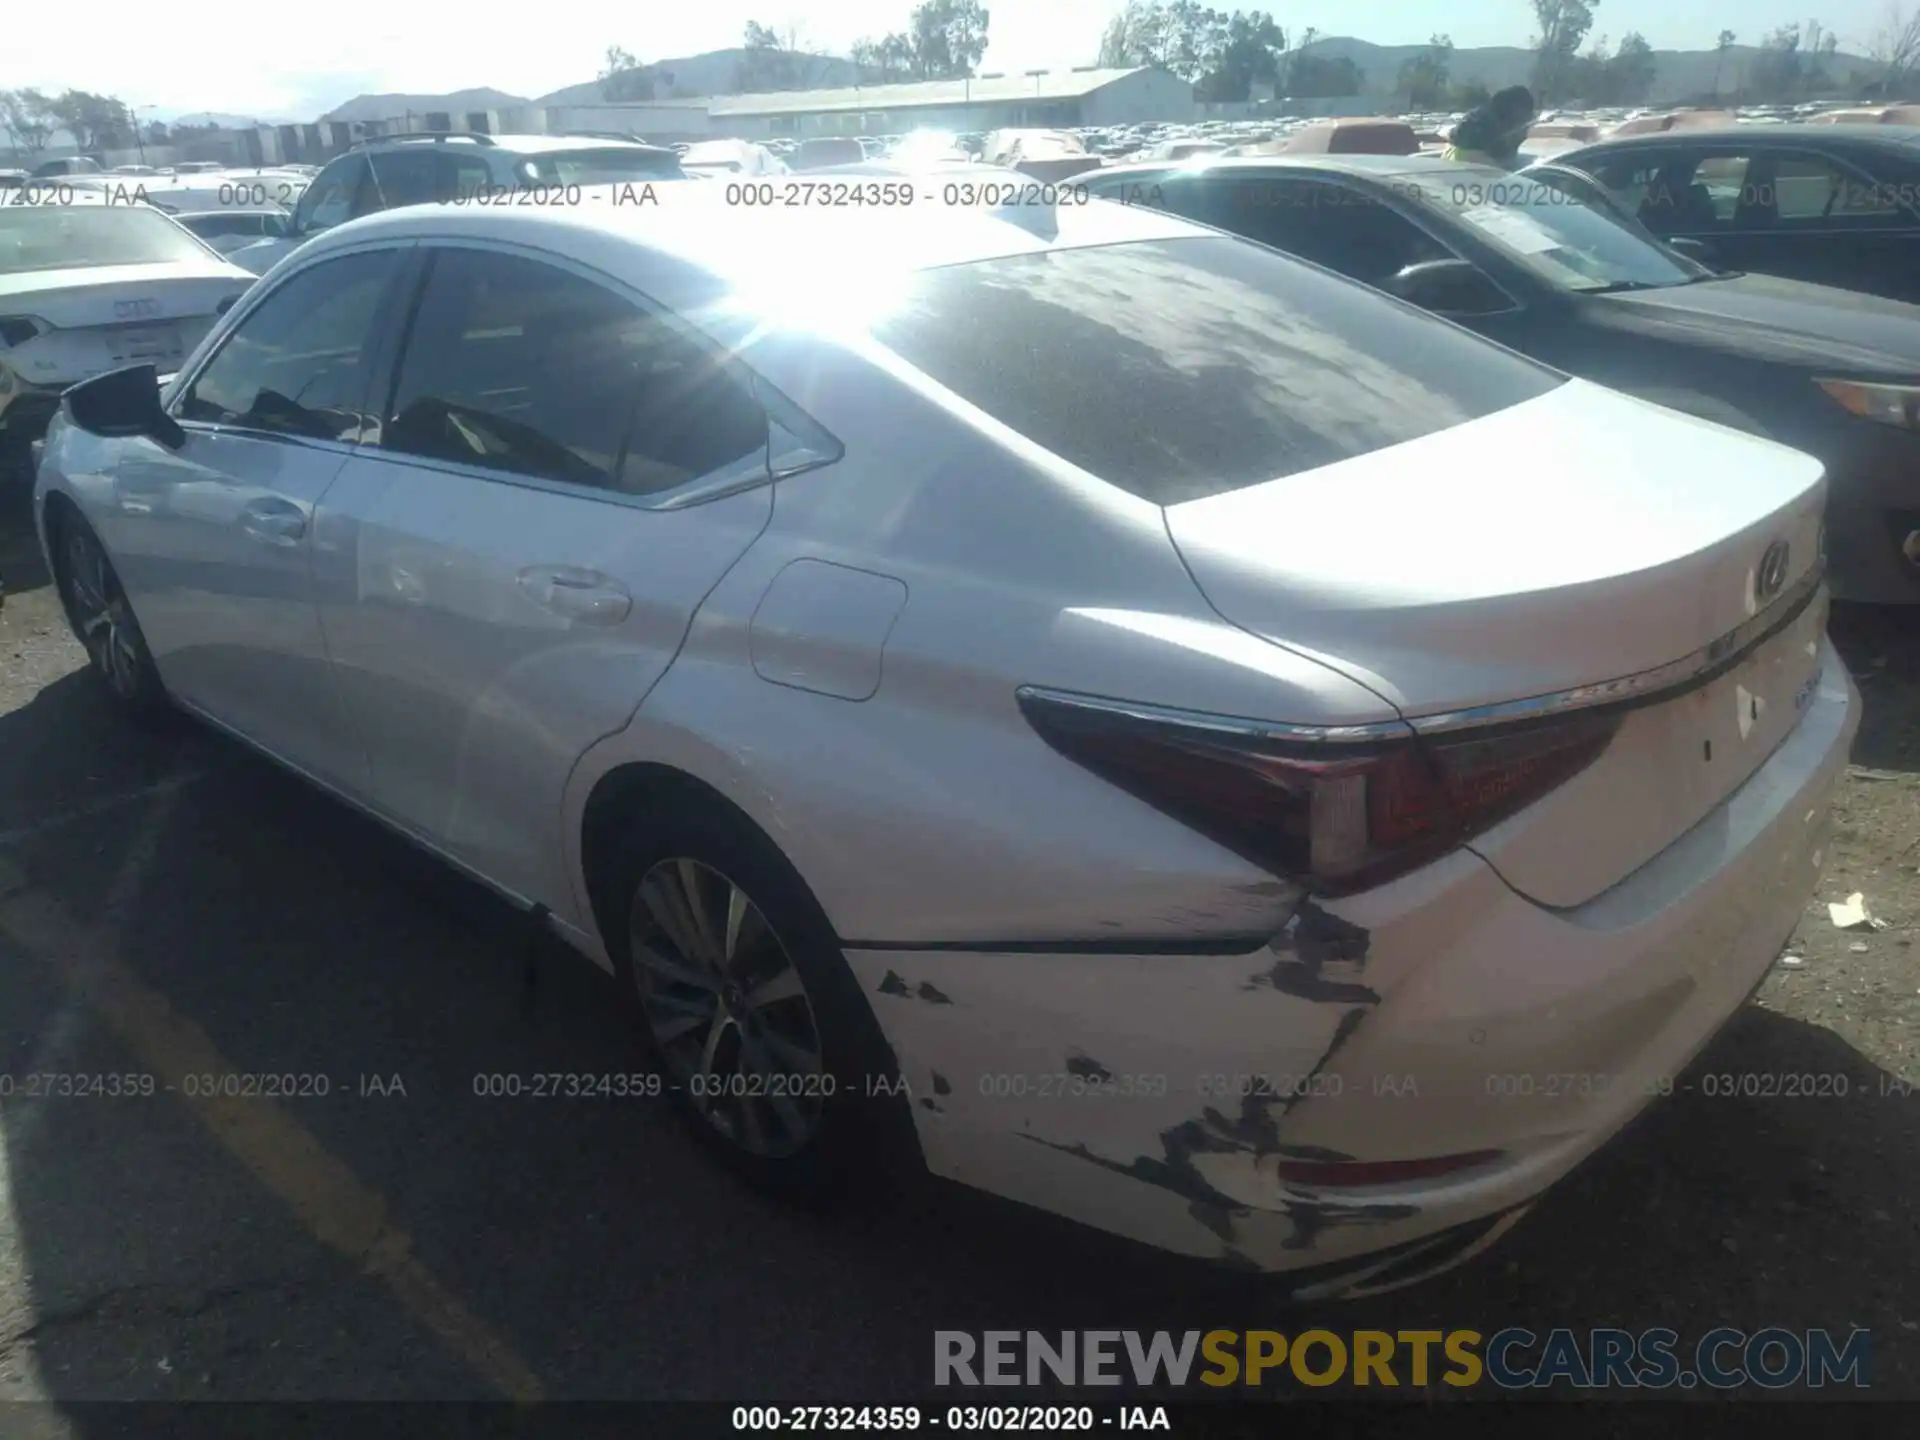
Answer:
(96, 122)
(1779, 67)
(891, 57)
(1629, 75)
(1423, 79)
(1896, 48)
(1314, 77)
(27, 117)
(769, 64)
(944, 40)
(949, 37)
(157, 132)
(623, 78)
(1470, 96)
(1564, 25)
(1720, 49)
(1249, 51)
(1178, 35)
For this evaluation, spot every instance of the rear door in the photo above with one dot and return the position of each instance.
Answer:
(1816, 217)
(563, 471)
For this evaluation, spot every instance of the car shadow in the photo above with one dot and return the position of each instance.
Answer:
(21, 564)
(170, 1254)
(1881, 646)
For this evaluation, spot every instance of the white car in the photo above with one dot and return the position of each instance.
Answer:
(86, 286)
(1123, 718)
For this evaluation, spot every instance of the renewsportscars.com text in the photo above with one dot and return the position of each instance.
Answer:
(1511, 1359)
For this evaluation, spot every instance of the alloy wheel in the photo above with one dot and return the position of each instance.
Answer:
(102, 619)
(727, 1008)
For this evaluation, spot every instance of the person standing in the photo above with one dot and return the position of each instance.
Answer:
(1491, 134)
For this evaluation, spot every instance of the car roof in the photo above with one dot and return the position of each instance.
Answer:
(691, 222)
(1371, 167)
(1905, 137)
(511, 144)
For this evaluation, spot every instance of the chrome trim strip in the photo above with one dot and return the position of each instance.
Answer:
(1687, 673)
(1628, 692)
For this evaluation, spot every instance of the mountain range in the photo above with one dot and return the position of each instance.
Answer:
(1679, 75)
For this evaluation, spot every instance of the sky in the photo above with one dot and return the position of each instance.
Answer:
(292, 60)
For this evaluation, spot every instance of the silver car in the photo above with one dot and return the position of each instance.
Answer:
(1097, 708)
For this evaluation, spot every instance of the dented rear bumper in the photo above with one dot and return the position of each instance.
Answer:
(1163, 1096)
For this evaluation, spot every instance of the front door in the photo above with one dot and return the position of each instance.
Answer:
(217, 539)
(500, 587)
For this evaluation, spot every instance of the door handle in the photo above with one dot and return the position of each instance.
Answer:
(273, 523)
(576, 593)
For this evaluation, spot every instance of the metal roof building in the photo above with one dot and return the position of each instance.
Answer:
(1049, 98)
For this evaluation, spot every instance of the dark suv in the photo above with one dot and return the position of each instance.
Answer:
(400, 170)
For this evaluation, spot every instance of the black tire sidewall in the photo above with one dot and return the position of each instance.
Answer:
(866, 1130)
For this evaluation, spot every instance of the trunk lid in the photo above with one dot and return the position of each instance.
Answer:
(94, 320)
(1571, 541)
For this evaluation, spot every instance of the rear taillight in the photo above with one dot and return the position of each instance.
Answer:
(1338, 817)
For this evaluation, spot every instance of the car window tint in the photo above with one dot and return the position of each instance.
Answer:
(297, 363)
(467, 176)
(1331, 225)
(519, 366)
(400, 177)
(1811, 187)
(329, 200)
(1184, 368)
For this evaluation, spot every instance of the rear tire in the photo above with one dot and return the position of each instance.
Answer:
(102, 618)
(762, 1037)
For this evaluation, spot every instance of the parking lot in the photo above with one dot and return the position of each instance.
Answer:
(172, 907)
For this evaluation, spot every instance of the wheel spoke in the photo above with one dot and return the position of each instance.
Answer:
(784, 1056)
(784, 985)
(671, 969)
(738, 908)
(664, 904)
(701, 921)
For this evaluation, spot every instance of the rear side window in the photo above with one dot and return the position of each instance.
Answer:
(1180, 369)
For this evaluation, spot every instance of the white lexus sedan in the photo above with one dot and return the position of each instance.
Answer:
(89, 284)
(1119, 717)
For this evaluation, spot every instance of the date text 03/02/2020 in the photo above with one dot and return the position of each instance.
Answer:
(896, 1419)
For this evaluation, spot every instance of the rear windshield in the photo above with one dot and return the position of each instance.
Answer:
(603, 165)
(80, 237)
(1179, 369)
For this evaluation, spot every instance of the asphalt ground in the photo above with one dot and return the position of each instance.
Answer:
(171, 906)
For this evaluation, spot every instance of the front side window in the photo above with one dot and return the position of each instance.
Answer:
(298, 364)
(399, 177)
(602, 165)
(518, 366)
(1179, 369)
(329, 200)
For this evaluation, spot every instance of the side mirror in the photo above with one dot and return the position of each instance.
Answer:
(1697, 251)
(1451, 287)
(123, 403)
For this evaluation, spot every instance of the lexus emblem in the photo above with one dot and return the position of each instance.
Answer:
(135, 309)
(1769, 579)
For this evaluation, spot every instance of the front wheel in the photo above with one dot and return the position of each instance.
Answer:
(103, 620)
